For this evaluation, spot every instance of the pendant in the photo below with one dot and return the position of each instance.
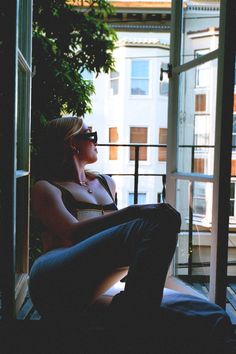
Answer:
(85, 185)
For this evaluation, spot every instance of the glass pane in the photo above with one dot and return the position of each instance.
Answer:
(141, 198)
(192, 261)
(24, 28)
(196, 122)
(231, 270)
(140, 68)
(232, 219)
(22, 120)
(139, 87)
(200, 30)
(115, 86)
(22, 224)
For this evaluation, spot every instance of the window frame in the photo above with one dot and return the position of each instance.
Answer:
(140, 78)
(114, 79)
(200, 67)
(221, 178)
(15, 160)
(164, 82)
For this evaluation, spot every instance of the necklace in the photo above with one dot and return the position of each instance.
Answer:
(85, 185)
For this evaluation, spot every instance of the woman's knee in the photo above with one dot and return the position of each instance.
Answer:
(163, 216)
(169, 217)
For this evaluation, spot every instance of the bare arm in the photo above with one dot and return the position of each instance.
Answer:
(49, 208)
(86, 228)
(163, 211)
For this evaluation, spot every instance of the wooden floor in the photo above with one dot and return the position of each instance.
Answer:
(27, 311)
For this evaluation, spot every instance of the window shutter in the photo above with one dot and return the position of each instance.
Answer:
(199, 165)
(113, 138)
(162, 152)
(138, 135)
(200, 102)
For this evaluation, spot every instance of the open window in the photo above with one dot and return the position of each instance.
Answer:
(200, 120)
(15, 100)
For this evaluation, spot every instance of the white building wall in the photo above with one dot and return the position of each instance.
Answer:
(125, 110)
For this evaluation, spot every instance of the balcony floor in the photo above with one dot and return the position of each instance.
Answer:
(28, 312)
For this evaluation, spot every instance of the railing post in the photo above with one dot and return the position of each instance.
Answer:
(190, 231)
(136, 167)
(163, 193)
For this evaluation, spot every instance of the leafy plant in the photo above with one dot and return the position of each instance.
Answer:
(67, 40)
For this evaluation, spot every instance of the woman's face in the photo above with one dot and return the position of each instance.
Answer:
(87, 148)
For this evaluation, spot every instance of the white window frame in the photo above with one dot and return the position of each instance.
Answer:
(140, 78)
(221, 178)
(205, 66)
(164, 82)
(114, 79)
(15, 162)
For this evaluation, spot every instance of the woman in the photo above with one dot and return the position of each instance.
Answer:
(86, 238)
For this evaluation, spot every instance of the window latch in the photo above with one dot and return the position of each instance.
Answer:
(168, 71)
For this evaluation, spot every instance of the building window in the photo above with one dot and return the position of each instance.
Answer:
(140, 77)
(114, 82)
(234, 133)
(235, 72)
(202, 71)
(232, 199)
(162, 151)
(164, 83)
(200, 102)
(138, 135)
(201, 130)
(141, 198)
(199, 198)
(199, 165)
(113, 138)
(201, 141)
(233, 161)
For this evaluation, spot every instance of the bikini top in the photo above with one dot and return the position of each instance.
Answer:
(85, 210)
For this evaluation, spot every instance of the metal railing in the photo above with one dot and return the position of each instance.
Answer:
(194, 150)
(136, 174)
(162, 196)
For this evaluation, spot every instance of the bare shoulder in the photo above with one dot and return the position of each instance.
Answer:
(43, 191)
(44, 186)
(111, 183)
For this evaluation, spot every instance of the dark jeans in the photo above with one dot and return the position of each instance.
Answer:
(66, 280)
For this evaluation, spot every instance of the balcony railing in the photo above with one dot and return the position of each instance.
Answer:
(190, 265)
(136, 174)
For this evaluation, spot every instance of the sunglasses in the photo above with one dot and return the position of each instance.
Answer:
(89, 136)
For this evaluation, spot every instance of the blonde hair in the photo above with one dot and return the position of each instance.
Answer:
(55, 159)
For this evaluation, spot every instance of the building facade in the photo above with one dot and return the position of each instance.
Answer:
(131, 106)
